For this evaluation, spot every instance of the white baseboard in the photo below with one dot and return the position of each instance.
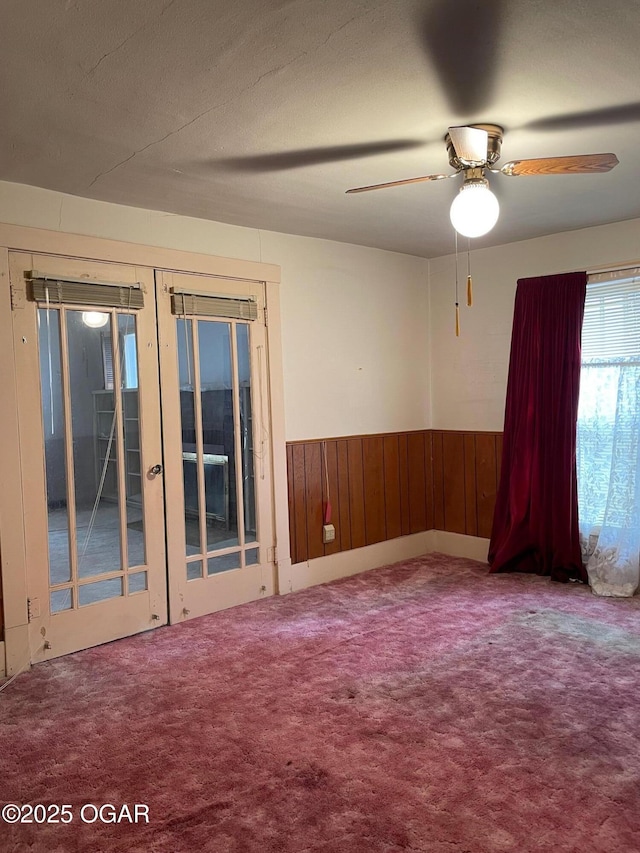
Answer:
(460, 545)
(345, 563)
(3, 666)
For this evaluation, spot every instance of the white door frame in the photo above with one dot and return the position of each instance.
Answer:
(12, 537)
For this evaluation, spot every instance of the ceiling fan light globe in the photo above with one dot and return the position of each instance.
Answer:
(474, 210)
(95, 319)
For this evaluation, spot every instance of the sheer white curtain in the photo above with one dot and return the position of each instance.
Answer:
(608, 443)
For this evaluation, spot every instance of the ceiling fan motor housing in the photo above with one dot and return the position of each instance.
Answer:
(495, 134)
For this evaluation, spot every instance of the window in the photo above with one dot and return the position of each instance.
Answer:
(608, 445)
(129, 367)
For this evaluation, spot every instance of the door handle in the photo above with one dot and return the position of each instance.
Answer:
(156, 469)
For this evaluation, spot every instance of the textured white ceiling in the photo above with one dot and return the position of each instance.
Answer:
(263, 112)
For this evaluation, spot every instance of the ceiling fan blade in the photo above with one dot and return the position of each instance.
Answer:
(401, 183)
(470, 144)
(462, 40)
(621, 114)
(296, 159)
(581, 164)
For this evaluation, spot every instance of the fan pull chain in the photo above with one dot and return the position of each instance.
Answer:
(469, 281)
(457, 303)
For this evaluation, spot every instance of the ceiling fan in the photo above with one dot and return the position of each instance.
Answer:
(474, 150)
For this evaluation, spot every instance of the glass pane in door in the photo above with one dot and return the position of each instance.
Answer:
(54, 443)
(91, 593)
(190, 474)
(218, 434)
(246, 432)
(131, 429)
(61, 599)
(95, 444)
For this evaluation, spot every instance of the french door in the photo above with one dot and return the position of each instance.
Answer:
(144, 447)
(213, 365)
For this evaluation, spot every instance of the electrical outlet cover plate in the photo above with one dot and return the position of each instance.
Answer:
(328, 533)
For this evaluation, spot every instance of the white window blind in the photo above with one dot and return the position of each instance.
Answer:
(214, 305)
(54, 291)
(611, 328)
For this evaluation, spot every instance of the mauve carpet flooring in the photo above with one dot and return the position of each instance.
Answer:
(426, 706)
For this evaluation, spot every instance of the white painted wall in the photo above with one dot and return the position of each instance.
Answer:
(358, 354)
(355, 337)
(469, 377)
(355, 320)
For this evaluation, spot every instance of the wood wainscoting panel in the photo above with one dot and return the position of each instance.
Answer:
(470, 485)
(299, 521)
(380, 487)
(356, 492)
(313, 485)
(385, 486)
(343, 526)
(487, 480)
(403, 462)
(330, 481)
(454, 482)
(392, 497)
(428, 464)
(438, 480)
(466, 469)
(374, 489)
(417, 482)
(291, 494)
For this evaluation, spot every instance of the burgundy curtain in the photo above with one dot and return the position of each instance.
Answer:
(535, 526)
